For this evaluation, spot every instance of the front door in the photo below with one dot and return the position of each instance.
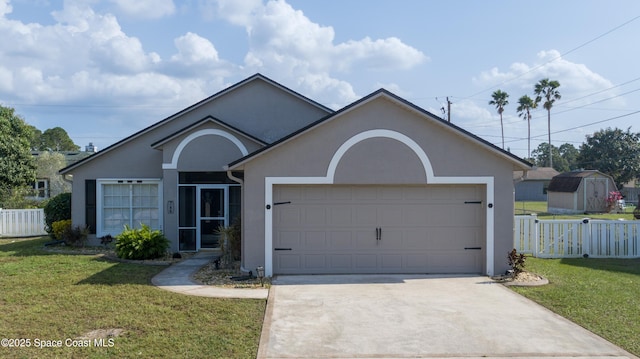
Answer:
(212, 214)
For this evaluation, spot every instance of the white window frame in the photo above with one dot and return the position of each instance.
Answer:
(100, 182)
(36, 189)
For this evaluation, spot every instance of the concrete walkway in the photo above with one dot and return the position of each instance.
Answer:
(177, 278)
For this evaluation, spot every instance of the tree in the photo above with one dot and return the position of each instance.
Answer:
(525, 105)
(17, 167)
(500, 101)
(36, 138)
(48, 164)
(570, 154)
(547, 90)
(57, 139)
(562, 157)
(614, 152)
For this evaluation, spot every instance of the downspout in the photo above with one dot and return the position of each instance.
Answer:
(232, 177)
(241, 182)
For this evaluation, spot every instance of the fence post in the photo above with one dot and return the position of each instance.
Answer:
(536, 235)
(586, 237)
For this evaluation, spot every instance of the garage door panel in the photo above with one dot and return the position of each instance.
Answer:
(341, 262)
(365, 216)
(390, 238)
(289, 263)
(340, 216)
(288, 217)
(340, 240)
(390, 215)
(366, 262)
(416, 262)
(315, 216)
(314, 261)
(365, 239)
(332, 229)
(415, 238)
(315, 240)
(391, 262)
(288, 239)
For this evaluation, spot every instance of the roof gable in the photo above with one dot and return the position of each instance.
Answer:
(205, 120)
(382, 93)
(318, 109)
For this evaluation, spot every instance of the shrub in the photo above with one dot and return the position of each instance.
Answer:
(75, 236)
(56, 209)
(142, 243)
(58, 228)
(517, 262)
(231, 237)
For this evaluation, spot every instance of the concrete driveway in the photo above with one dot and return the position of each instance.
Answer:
(416, 316)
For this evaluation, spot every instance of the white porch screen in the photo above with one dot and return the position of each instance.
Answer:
(129, 203)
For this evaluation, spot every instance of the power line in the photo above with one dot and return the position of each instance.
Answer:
(556, 58)
(585, 125)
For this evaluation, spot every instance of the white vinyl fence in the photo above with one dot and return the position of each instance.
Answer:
(22, 222)
(560, 238)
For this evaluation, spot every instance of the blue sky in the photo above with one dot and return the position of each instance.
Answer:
(103, 70)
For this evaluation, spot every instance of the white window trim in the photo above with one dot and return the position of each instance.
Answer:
(99, 209)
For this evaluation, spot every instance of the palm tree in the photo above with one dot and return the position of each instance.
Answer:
(525, 105)
(500, 101)
(549, 91)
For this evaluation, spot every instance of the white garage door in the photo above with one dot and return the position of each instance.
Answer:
(378, 229)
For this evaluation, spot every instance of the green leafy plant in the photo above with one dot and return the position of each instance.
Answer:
(58, 228)
(75, 236)
(56, 209)
(516, 261)
(142, 243)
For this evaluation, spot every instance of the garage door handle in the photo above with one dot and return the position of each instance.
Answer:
(473, 248)
(282, 249)
(378, 234)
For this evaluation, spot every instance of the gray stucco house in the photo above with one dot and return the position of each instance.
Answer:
(379, 186)
(532, 185)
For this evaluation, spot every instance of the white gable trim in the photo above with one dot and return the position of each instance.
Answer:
(488, 181)
(210, 131)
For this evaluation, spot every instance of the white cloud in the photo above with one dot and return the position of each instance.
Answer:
(574, 78)
(5, 7)
(194, 49)
(6, 80)
(234, 11)
(146, 9)
(285, 42)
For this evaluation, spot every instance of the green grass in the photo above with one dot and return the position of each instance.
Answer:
(540, 208)
(57, 296)
(601, 295)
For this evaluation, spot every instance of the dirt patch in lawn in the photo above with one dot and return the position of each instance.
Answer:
(102, 334)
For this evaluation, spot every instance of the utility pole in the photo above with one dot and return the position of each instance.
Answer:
(448, 109)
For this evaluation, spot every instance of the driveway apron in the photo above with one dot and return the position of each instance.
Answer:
(416, 316)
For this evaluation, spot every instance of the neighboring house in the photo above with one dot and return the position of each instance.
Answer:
(579, 192)
(49, 183)
(380, 186)
(532, 185)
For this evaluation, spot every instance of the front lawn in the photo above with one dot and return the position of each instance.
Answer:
(540, 208)
(602, 295)
(49, 297)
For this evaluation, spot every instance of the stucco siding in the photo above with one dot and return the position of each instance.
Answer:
(370, 162)
(531, 191)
